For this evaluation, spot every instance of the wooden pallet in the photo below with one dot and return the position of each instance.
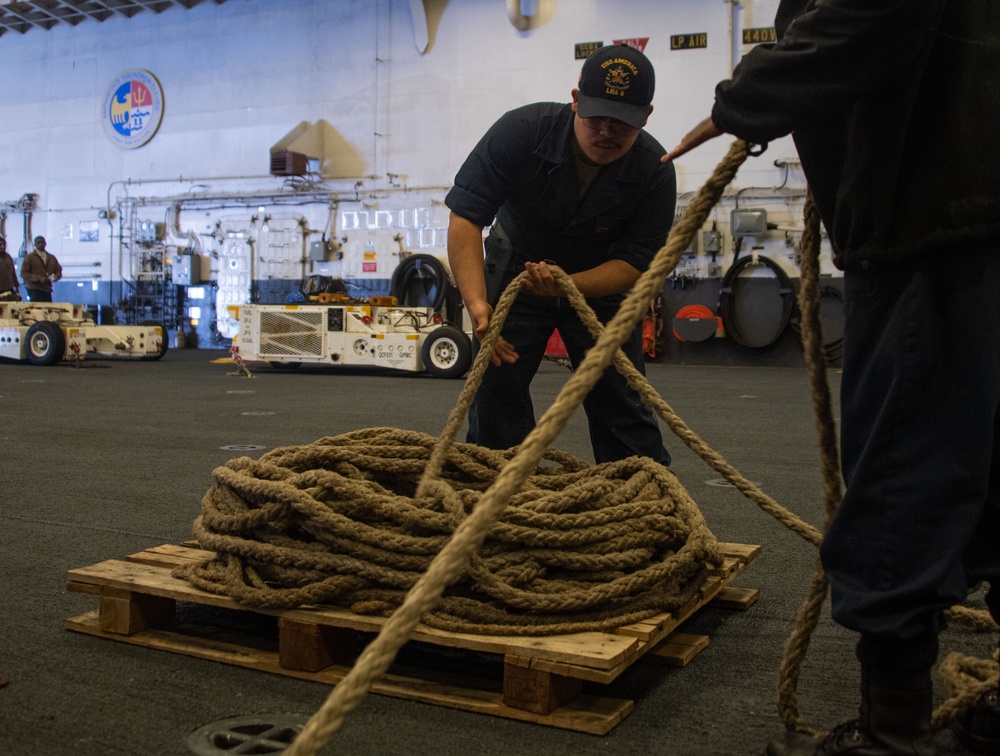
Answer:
(536, 679)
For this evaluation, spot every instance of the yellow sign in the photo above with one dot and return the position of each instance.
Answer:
(688, 41)
(759, 34)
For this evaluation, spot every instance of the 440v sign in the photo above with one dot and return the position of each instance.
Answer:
(132, 108)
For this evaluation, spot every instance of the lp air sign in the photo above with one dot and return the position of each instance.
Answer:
(132, 108)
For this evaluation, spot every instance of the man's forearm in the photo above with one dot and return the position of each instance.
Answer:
(612, 277)
(465, 256)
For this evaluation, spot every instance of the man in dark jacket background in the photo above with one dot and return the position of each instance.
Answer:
(39, 271)
(893, 107)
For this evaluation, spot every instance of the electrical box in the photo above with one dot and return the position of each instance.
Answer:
(322, 251)
(148, 231)
(711, 242)
(749, 222)
(187, 270)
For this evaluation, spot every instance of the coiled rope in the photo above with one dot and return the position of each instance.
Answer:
(578, 548)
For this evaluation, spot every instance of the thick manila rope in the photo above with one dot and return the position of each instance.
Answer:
(810, 611)
(579, 548)
(449, 564)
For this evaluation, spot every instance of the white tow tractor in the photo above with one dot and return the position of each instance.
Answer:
(44, 333)
(342, 331)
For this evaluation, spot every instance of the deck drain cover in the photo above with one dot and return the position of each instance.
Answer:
(242, 447)
(246, 735)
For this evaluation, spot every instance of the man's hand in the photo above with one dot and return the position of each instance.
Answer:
(540, 280)
(480, 313)
(503, 351)
(698, 135)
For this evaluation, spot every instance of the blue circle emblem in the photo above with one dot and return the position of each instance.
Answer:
(132, 108)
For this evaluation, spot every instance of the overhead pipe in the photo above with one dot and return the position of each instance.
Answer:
(25, 249)
(172, 223)
(735, 34)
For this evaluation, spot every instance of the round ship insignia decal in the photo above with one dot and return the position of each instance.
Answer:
(132, 108)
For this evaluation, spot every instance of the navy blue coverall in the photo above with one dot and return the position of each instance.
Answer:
(523, 176)
(893, 107)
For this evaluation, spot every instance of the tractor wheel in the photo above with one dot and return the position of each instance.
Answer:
(46, 343)
(150, 335)
(447, 353)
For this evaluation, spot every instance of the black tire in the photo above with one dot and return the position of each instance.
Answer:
(164, 346)
(447, 353)
(45, 343)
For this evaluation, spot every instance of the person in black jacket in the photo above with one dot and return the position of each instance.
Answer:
(893, 108)
(579, 185)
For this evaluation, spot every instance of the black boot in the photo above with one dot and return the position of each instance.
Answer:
(979, 729)
(894, 718)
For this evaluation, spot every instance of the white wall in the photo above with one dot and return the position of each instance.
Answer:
(238, 77)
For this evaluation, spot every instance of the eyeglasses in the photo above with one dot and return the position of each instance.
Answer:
(611, 125)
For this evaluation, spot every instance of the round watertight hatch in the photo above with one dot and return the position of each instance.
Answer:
(246, 735)
(242, 447)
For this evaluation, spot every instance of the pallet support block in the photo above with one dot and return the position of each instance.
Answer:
(533, 690)
(310, 647)
(126, 612)
(677, 649)
(732, 597)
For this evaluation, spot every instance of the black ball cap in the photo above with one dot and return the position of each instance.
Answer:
(616, 81)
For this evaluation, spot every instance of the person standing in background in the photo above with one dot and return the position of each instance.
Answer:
(39, 271)
(9, 287)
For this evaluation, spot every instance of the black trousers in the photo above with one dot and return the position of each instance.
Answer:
(502, 414)
(920, 520)
(39, 295)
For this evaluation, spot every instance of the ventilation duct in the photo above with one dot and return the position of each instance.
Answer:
(287, 163)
